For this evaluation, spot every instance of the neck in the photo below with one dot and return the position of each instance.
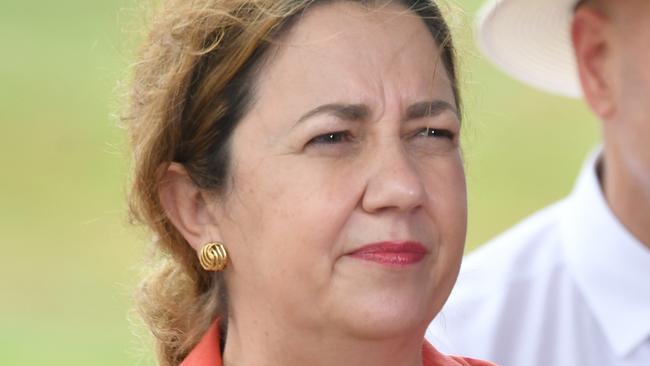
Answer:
(627, 195)
(275, 345)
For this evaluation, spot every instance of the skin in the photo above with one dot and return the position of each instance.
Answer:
(611, 45)
(310, 185)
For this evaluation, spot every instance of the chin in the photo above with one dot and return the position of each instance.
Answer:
(387, 315)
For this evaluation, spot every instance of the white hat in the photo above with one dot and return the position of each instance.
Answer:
(530, 40)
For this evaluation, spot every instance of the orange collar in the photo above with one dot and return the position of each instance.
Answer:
(207, 353)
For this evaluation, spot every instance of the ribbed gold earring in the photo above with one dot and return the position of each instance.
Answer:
(213, 257)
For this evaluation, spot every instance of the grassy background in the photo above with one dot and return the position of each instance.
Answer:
(69, 259)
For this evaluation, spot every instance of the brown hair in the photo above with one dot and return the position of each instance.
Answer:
(193, 82)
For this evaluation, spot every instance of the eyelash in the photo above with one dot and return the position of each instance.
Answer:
(331, 138)
(435, 132)
(336, 137)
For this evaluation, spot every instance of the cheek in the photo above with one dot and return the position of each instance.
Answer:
(289, 215)
(446, 188)
(448, 204)
(632, 129)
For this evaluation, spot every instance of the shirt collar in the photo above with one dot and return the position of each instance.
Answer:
(610, 266)
(208, 353)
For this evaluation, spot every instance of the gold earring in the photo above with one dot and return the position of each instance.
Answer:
(213, 257)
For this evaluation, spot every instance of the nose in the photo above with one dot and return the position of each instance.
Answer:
(394, 182)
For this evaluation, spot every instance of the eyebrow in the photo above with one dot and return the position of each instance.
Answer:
(356, 112)
(429, 109)
(350, 112)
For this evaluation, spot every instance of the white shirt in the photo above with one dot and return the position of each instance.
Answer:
(568, 286)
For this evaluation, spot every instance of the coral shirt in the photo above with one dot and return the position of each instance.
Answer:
(207, 353)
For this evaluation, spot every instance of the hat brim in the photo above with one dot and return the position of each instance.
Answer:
(530, 40)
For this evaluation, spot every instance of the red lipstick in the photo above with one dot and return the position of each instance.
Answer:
(393, 253)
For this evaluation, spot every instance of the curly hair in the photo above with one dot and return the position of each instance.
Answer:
(193, 82)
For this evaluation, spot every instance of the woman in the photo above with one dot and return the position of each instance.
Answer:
(299, 163)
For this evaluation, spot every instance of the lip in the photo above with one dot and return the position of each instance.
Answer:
(392, 253)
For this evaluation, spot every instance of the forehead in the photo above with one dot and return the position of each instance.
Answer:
(348, 28)
(351, 18)
(346, 48)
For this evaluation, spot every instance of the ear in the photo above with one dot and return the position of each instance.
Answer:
(186, 207)
(590, 33)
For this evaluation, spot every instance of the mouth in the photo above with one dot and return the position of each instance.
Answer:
(392, 253)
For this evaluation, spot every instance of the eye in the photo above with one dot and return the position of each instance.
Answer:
(434, 132)
(331, 138)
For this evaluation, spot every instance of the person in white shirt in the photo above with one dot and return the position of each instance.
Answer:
(570, 285)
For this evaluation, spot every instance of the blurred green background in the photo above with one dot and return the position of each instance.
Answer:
(69, 258)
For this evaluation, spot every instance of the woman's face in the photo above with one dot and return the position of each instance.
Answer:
(346, 211)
